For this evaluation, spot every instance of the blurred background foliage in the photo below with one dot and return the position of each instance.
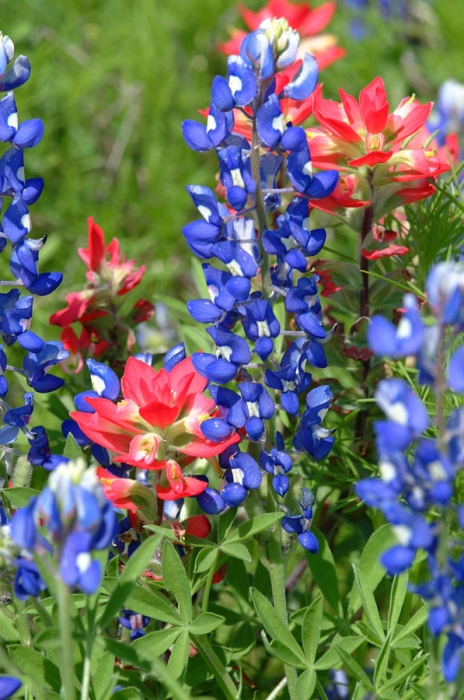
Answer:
(113, 81)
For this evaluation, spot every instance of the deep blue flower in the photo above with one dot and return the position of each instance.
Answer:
(203, 138)
(36, 365)
(8, 686)
(397, 341)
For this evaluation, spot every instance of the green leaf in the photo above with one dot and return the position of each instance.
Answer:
(155, 643)
(127, 653)
(36, 666)
(20, 496)
(238, 579)
(306, 683)
(102, 679)
(206, 623)
(48, 638)
(381, 664)
(175, 580)
(126, 694)
(237, 550)
(134, 568)
(354, 668)
(368, 602)
(179, 655)
(405, 673)
(331, 658)
(416, 621)
(311, 630)
(153, 604)
(165, 531)
(397, 596)
(322, 567)
(286, 655)
(72, 449)
(274, 625)
(242, 641)
(252, 527)
(8, 631)
(369, 563)
(206, 559)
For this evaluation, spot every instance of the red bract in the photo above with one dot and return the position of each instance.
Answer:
(157, 425)
(116, 272)
(364, 140)
(309, 23)
(105, 333)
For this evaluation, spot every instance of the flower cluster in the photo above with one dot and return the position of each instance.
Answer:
(104, 332)
(161, 424)
(263, 243)
(308, 21)
(76, 520)
(384, 158)
(16, 309)
(417, 472)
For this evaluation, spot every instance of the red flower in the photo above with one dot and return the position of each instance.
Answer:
(110, 276)
(157, 425)
(309, 23)
(364, 141)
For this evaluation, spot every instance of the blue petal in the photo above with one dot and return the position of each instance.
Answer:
(221, 94)
(195, 136)
(234, 494)
(211, 502)
(305, 80)
(29, 133)
(216, 429)
(309, 541)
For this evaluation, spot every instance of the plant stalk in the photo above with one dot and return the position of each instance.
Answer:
(67, 652)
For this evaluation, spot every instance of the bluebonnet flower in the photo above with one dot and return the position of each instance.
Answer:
(15, 309)
(135, 622)
(77, 518)
(301, 524)
(247, 286)
(278, 463)
(417, 473)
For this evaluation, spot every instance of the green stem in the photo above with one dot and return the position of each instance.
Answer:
(208, 584)
(214, 662)
(364, 312)
(277, 574)
(44, 616)
(67, 652)
(86, 671)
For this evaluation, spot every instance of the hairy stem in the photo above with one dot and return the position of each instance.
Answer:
(67, 653)
(277, 574)
(364, 311)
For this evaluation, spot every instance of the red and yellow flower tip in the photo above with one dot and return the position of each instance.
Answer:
(160, 424)
(308, 21)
